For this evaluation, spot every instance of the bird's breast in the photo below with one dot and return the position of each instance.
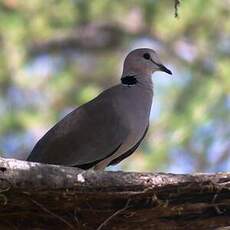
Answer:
(135, 110)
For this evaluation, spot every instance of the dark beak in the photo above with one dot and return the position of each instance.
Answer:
(164, 69)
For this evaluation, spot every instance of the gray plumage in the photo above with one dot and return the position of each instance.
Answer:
(108, 128)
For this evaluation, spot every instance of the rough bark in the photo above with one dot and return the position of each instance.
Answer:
(38, 196)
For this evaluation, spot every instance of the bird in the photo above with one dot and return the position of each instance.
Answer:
(110, 127)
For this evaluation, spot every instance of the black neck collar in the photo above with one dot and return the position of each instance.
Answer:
(129, 80)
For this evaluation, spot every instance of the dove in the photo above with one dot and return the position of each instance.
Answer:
(108, 128)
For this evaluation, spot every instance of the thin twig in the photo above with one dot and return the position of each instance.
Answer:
(114, 214)
(4, 197)
(176, 5)
(77, 219)
(7, 188)
(53, 214)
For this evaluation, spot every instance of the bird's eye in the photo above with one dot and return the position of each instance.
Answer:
(146, 56)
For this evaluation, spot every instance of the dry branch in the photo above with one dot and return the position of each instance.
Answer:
(54, 197)
(90, 37)
(176, 6)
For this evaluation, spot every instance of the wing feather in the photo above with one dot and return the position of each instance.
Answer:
(88, 134)
(130, 151)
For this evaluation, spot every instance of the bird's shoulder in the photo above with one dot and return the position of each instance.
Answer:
(100, 109)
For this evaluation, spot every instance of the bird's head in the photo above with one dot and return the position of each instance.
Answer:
(143, 61)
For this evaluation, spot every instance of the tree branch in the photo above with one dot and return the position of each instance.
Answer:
(87, 37)
(176, 6)
(43, 196)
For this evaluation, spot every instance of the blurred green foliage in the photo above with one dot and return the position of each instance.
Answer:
(58, 54)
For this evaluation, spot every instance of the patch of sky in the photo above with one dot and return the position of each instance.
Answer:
(44, 65)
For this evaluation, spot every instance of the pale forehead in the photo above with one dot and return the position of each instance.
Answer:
(141, 51)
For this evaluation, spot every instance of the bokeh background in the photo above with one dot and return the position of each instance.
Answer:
(57, 54)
